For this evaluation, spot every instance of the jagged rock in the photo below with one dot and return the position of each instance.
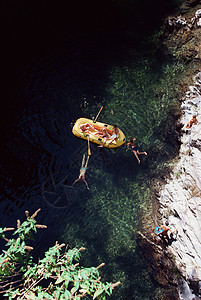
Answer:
(198, 13)
(192, 2)
(180, 20)
(196, 144)
(199, 22)
(159, 260)
(181, 197)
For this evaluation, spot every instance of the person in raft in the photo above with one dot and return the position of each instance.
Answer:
(86, 127)
(104, 134)
(83, 171)
(193, 121)
(115, 134)
(134, 148)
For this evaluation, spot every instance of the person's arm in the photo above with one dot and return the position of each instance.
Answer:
(99, 132)
(118, 133)
(172, 231)
(108, 134)
(189, 124)
(92, 127)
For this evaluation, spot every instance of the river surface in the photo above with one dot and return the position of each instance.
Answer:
(123, 71)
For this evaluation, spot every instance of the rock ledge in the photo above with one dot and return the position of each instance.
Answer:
(180, 198)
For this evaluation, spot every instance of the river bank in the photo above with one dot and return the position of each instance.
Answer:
(177, 267)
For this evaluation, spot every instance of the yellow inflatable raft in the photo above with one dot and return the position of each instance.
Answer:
(93, 135)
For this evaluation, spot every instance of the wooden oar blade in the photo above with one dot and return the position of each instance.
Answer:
(98, 114)
(89, 150)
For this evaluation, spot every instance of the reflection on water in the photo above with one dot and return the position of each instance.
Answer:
(42, 158)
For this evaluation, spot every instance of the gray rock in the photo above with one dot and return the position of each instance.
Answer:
(199, 22)
(198, 13)
(180, 198)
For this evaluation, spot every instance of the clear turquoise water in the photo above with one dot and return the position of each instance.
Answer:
(41, 158)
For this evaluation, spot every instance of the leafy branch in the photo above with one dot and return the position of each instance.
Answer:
(57, 275)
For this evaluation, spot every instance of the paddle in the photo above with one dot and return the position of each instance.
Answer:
(94, 121)
(89, 150)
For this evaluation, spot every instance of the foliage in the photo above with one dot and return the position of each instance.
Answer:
(56, 276)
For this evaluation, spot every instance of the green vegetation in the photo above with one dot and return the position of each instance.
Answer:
(56, 276)
(144, 98)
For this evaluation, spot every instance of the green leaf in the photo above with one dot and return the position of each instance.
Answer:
(108, 289)
(66, 276)
(32, 296)
(67, 294)
(98, 293)
(76, 286)
(57, 292)
(40, 296)
(59, 280)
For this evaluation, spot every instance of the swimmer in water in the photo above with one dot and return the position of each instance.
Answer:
(83, 171)
(135, 149)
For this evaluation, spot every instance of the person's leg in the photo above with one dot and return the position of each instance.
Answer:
(83, 159)
(86, 162)
(86, 184)
(135, 153)
(104, 141)
(76, 181)
(165, 239)
(111, 141)
(141, 152)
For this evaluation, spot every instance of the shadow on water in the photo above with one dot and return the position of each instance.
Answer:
(41, 158)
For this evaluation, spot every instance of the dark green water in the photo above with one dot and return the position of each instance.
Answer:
(122, 69)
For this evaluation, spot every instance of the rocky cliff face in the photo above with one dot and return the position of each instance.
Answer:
(180, 197)
(177, 266)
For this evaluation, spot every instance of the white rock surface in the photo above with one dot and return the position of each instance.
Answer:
(199, 22)
(180, 198)
(198, 13)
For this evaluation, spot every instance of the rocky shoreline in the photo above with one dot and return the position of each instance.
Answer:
(177, 267)
(180, 198)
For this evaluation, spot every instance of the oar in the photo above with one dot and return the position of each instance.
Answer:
(89, 150)
(98, 115)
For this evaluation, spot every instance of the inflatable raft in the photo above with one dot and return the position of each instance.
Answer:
(92, 133)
